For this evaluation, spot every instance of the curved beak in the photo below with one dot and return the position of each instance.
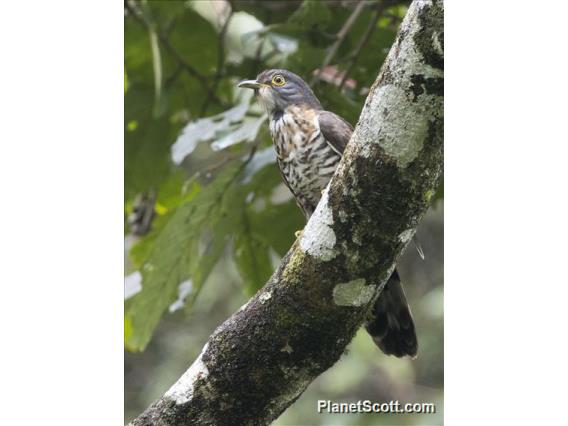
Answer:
(250, 84)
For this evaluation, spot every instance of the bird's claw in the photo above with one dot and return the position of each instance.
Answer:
(298, 233)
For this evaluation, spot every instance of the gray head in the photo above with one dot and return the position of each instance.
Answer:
(276, 89)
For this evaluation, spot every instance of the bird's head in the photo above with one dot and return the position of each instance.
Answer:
(277, 89)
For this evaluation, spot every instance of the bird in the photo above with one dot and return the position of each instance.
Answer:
(309, 143)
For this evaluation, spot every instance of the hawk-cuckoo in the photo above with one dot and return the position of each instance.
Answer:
(309, 142)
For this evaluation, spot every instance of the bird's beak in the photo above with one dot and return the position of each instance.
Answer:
(250, 84)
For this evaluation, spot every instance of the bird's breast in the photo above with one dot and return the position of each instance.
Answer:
(292, 131)
(305, 159)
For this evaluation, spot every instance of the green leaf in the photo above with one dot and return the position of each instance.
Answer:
(188, 36)
(277, 224)
(166, 267)
(311, 14)
(146, 146)
(252, 257)
(176, 190)
(305, 60)
(164, 12)
(262, 226)
(158, 89)
(207, 262)
(137, 54)
(171, 254)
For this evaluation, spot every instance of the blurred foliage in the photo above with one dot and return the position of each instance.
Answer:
(202, 147)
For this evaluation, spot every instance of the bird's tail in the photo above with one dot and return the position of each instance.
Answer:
(391, 326)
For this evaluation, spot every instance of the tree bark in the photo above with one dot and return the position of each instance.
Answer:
(260, 360)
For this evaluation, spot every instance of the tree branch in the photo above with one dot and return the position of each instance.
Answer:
(363, 41)
(260, 360)
(339, 40)
(220, 61)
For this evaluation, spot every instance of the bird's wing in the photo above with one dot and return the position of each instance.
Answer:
(335, 130)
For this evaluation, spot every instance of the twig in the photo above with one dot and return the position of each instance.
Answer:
(216, 166)
(143, 212)
(256, 61)
(172, 78)
(363, 41)
(339, 40)
(232, 156)
(189, 68)
(220, 63)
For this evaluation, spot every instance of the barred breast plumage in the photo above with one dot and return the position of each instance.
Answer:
(306, 160)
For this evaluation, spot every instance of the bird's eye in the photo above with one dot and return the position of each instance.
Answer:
(278, 80)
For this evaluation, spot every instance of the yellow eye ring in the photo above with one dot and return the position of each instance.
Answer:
(278, 80)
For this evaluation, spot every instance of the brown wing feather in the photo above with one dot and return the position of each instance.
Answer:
(335, 130)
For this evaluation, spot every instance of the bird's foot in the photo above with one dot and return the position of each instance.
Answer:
(299, 233)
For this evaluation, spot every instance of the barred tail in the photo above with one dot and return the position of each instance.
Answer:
(391, 326)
